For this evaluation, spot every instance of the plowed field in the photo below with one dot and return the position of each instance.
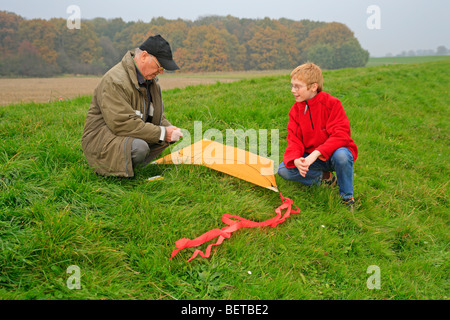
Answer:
(15, 91)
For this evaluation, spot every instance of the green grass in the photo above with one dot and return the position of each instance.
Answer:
(55, 212)
(400, 60)
(233, 75)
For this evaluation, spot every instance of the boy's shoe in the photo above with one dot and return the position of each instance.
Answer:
(329, 179)
(350, 203)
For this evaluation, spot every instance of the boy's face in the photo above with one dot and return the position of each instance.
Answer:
(301, 92)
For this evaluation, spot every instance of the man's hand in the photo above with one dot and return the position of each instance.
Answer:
(173, 134)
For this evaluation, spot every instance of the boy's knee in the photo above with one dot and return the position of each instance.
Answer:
(282, 171)
(342, 157)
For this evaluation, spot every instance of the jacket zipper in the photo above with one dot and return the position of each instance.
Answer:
(145, 112)
(126, 160)
(162, 107)
(310, 118)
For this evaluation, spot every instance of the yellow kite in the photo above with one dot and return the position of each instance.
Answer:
(230, 160)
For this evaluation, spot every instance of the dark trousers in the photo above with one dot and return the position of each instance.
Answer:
(142, 153)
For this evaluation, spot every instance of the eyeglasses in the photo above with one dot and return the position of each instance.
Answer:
(296, 88)
(160, 69)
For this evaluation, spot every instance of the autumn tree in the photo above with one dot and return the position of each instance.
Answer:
(131, 36)
(107, 27)
(9, 37)
(210, 49)
(350, 55)
(78, 49)
(332, 33)
(338, 42)
(210, 43)
(272, 48)
(42, 35)
(30, 62)
(110, 54)
(174, 31)
(28, 47)
(9, 42)
(322, 55)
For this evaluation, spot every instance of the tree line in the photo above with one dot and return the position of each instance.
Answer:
(38, 47)
(440, 51)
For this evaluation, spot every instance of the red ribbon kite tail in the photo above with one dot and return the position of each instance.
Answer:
(233, 225)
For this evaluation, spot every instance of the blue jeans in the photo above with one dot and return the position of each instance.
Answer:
(341, 161)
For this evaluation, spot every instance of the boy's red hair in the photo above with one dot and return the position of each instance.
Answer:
(309, 73)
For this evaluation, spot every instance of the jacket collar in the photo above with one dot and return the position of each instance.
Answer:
(141, 80)
(140, 77)
(314, 99)
(130, 67)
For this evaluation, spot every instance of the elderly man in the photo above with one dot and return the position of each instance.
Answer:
(125, 125)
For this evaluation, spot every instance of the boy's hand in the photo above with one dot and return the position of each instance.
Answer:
(303, 164)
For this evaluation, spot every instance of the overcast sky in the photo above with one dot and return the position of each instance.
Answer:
(401, 25)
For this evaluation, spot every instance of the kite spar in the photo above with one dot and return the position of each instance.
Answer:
(238, 163)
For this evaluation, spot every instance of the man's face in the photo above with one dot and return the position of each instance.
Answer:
(149, 66)
(301, 92)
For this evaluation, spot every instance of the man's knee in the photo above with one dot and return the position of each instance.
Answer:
(139, 151)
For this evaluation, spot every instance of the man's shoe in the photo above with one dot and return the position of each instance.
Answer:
(329, 179)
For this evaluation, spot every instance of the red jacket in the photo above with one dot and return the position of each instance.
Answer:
(322, 126)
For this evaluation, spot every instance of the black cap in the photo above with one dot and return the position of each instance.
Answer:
(157, 46)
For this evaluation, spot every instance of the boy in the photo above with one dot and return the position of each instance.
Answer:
(318, 137)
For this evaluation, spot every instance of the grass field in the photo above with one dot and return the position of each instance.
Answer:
(38, 90)
(55, 212)
(400, 60)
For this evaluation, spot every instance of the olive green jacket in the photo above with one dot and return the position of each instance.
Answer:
(118, 114)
